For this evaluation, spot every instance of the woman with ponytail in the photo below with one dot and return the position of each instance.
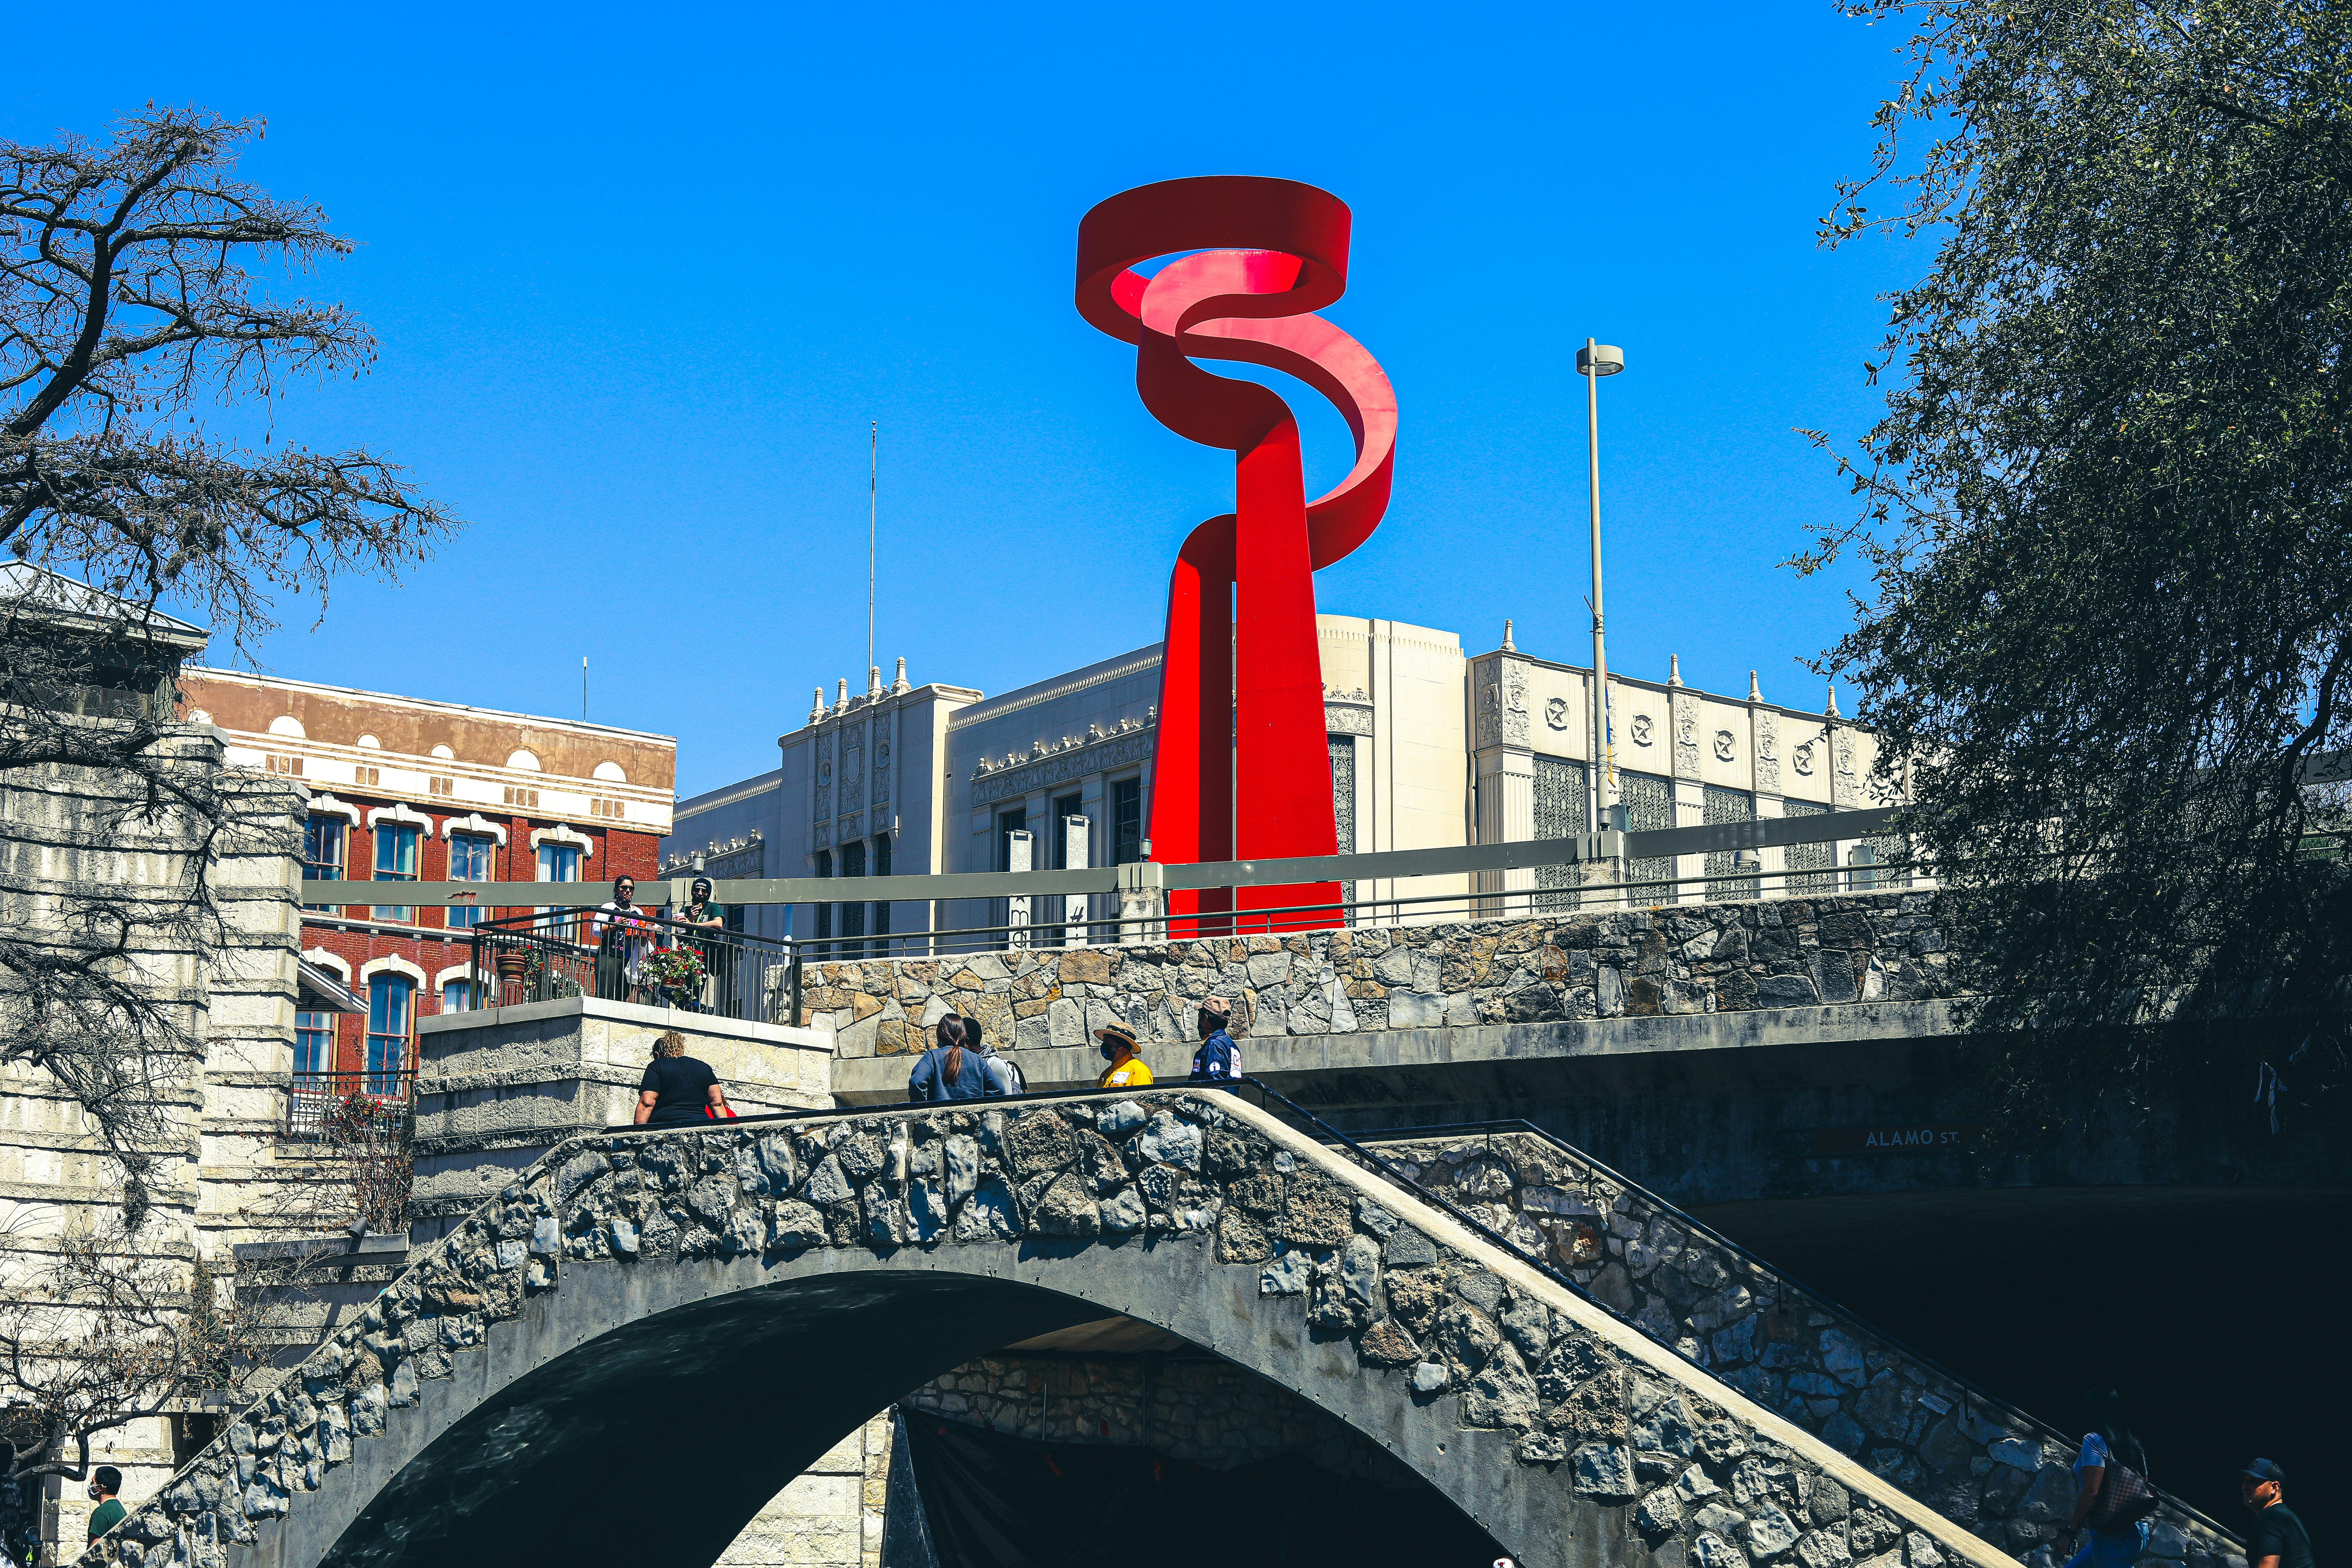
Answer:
(2113, 1500)
(949, 1070)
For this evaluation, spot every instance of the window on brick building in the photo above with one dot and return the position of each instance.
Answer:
(456, 996)
(395, 861)
(391, 1023)
(323, 839)
(559, 863)
(473, 857)
(314, 1042)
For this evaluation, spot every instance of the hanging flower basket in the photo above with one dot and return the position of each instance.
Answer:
(675, 974)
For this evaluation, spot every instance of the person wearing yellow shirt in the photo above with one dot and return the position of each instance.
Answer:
(1127, 1069)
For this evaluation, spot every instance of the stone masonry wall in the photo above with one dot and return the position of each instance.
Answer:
(70, 835)
(2005, 1477)
(1680, 958)
(830, 1515)
(1673, 1476)
(1210, 1413)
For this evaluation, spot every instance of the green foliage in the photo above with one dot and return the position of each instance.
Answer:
(2109, 509)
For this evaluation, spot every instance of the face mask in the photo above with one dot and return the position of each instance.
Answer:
(1109, 1052)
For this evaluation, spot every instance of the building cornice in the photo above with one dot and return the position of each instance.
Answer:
(425, 704)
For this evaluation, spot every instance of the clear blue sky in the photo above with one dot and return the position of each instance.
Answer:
(642, 277)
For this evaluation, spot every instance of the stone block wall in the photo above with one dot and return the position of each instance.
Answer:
(1675, 1468)
(1676, 959)
(1210, 1413)
(498, 1088)
(71, 834)
(2005, 1476)
(830, 1516)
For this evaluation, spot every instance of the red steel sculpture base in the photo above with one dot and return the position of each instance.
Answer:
(1242, 769)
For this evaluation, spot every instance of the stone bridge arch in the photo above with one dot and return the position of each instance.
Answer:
(632, 1347)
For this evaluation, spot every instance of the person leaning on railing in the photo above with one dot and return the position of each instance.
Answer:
(621, 940)
(717, 957)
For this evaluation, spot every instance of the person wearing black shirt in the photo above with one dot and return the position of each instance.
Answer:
(2278, 1538)
(678, 1089)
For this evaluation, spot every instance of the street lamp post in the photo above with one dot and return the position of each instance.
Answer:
(1594, 361)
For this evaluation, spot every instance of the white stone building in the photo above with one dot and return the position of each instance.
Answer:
(1429, 747)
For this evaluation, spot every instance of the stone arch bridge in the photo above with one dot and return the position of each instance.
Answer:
(622, 1356)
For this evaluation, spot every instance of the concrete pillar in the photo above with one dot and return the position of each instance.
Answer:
(1075, 837)
(1505, 761)
(1689, 794)
(1764, 749)
(1019, 855)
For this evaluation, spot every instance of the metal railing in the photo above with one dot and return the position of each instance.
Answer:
(1586, 853)
(1452, 1131)
(347, 1108)
(1282, 1106)
(644, 958)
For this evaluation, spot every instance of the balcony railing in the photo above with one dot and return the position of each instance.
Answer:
(342, 1109)
(658, 962)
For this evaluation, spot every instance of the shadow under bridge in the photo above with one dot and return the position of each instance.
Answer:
(621, 1357)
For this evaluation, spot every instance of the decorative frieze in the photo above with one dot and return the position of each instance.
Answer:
(742, 856)
(1052, 763)
(1346, 712)
(1685, 723)
(1502, 685)
(1845, 783)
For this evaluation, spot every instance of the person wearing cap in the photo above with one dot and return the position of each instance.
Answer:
(717, 976)
(104, 1482)
(1127, 1069)
(2278, 1538)
(1218, 1059)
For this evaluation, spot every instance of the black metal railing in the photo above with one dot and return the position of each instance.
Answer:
(348, 1108)
(1275, 1103)
(656, 961)
(643, 958)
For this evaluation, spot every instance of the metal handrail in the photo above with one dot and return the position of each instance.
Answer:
(1378, 865)
(1683, 1217)
(545, 931)
(1322, 1131)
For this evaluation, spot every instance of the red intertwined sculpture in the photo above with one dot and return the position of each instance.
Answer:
(1243, 771)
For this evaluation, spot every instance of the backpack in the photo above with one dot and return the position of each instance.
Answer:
(1015, 1083)
(2124, 1497)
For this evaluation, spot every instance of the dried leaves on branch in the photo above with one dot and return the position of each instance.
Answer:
(2109, 509)
(140, 284)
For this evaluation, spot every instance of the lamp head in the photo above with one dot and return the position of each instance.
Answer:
(1600, 359)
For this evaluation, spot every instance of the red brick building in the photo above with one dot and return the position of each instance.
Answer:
(407, 790)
